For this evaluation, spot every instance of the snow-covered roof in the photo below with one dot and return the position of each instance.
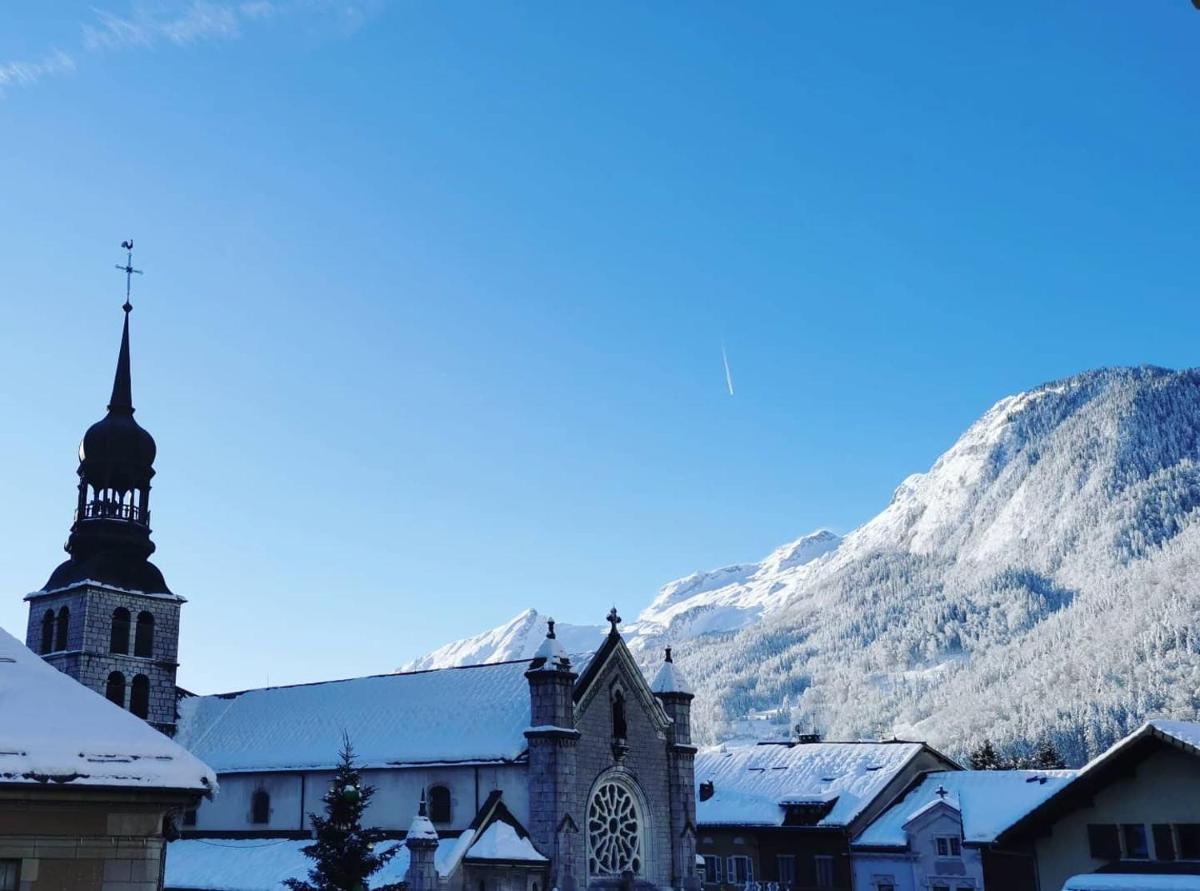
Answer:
(57, 730)
(454, 715)
(500, 841)
(751, 784)
(989, 801)
(257, 864)
(1133, 882)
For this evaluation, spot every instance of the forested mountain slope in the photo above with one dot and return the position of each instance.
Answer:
(1041, 577)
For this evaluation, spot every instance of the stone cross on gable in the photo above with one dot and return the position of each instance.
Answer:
(941, 792)
(614, 619)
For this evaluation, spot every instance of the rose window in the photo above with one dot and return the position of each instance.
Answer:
(614, 832)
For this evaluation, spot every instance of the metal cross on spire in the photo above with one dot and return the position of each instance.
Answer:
(129, 271)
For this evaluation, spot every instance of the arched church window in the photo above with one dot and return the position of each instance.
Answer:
(143, 639)
(139, 696)
(614, 831)
(260, 807)
(118, 638)
(114, 690)
(61, 627)
(439, 804)
(618, 715)
(48, 631)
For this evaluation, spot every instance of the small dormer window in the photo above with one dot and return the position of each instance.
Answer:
(948, 846)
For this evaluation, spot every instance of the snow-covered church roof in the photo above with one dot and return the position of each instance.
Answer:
(55, 730)
(472, 714)
(755, 784)
(988, 800)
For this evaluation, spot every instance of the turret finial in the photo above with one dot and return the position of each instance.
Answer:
(550, 629)
(668, 656)
(421, 809)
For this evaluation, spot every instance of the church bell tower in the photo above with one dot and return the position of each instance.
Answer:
(106, 616)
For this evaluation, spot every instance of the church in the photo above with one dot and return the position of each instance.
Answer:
(565, 771)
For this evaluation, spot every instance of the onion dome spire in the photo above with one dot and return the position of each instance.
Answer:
(110, 538)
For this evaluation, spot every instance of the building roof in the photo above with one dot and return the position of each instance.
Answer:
(1132, 882)
(257, 864)
(472, 714)
(670, 679)
(989, 801)
(751, 785)
(1105, 768)
(57, 731)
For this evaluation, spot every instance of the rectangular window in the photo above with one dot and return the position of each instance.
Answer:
(941, 888)
(712, 870)
(1136, 845)
(824, 865)
(1104, 843)
(948, 846)
(740, 870)
(1164, 842)
(886, 885)
(10, 874)
(1188, 836)
(787, 869)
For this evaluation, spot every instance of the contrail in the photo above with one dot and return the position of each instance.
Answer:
(728, 376)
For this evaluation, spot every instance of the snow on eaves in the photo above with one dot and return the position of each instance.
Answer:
(455, 715)
(989, 801)
(670, 680)
(500, 841)
(55, 730)
(751, 784)
(1133, 882)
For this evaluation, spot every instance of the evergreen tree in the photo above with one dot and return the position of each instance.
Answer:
(345, 853)
(985, 757)
(1047, 757)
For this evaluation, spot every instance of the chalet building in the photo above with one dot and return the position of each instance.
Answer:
(1130, 818)
(786, 813)
(87, 790)
(940, 835)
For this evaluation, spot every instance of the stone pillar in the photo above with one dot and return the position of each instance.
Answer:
(422, 844)
(552, 743)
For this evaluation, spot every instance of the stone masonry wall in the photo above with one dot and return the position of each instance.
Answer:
(87, 657)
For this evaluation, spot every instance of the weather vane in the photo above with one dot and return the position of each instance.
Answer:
(129, 271)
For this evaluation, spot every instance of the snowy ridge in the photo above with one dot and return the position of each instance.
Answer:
(516, 639)
(1048, 551)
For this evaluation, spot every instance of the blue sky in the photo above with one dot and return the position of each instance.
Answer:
(435, 294)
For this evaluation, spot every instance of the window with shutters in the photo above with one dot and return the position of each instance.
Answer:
(1188, 836)
(824, 870)
(1136, 845)
(740, 870)
(1164, 841)
(786, 864)
(712, 870)
(1104, 842)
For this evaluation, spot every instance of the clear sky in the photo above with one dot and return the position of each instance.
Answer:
(435, 293)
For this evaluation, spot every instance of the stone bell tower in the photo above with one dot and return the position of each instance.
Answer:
(106, 616)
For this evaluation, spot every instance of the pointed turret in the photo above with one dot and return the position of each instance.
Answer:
(422, 843)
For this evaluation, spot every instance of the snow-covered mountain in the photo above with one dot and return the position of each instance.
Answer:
(1041, 577)
(723, 599)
